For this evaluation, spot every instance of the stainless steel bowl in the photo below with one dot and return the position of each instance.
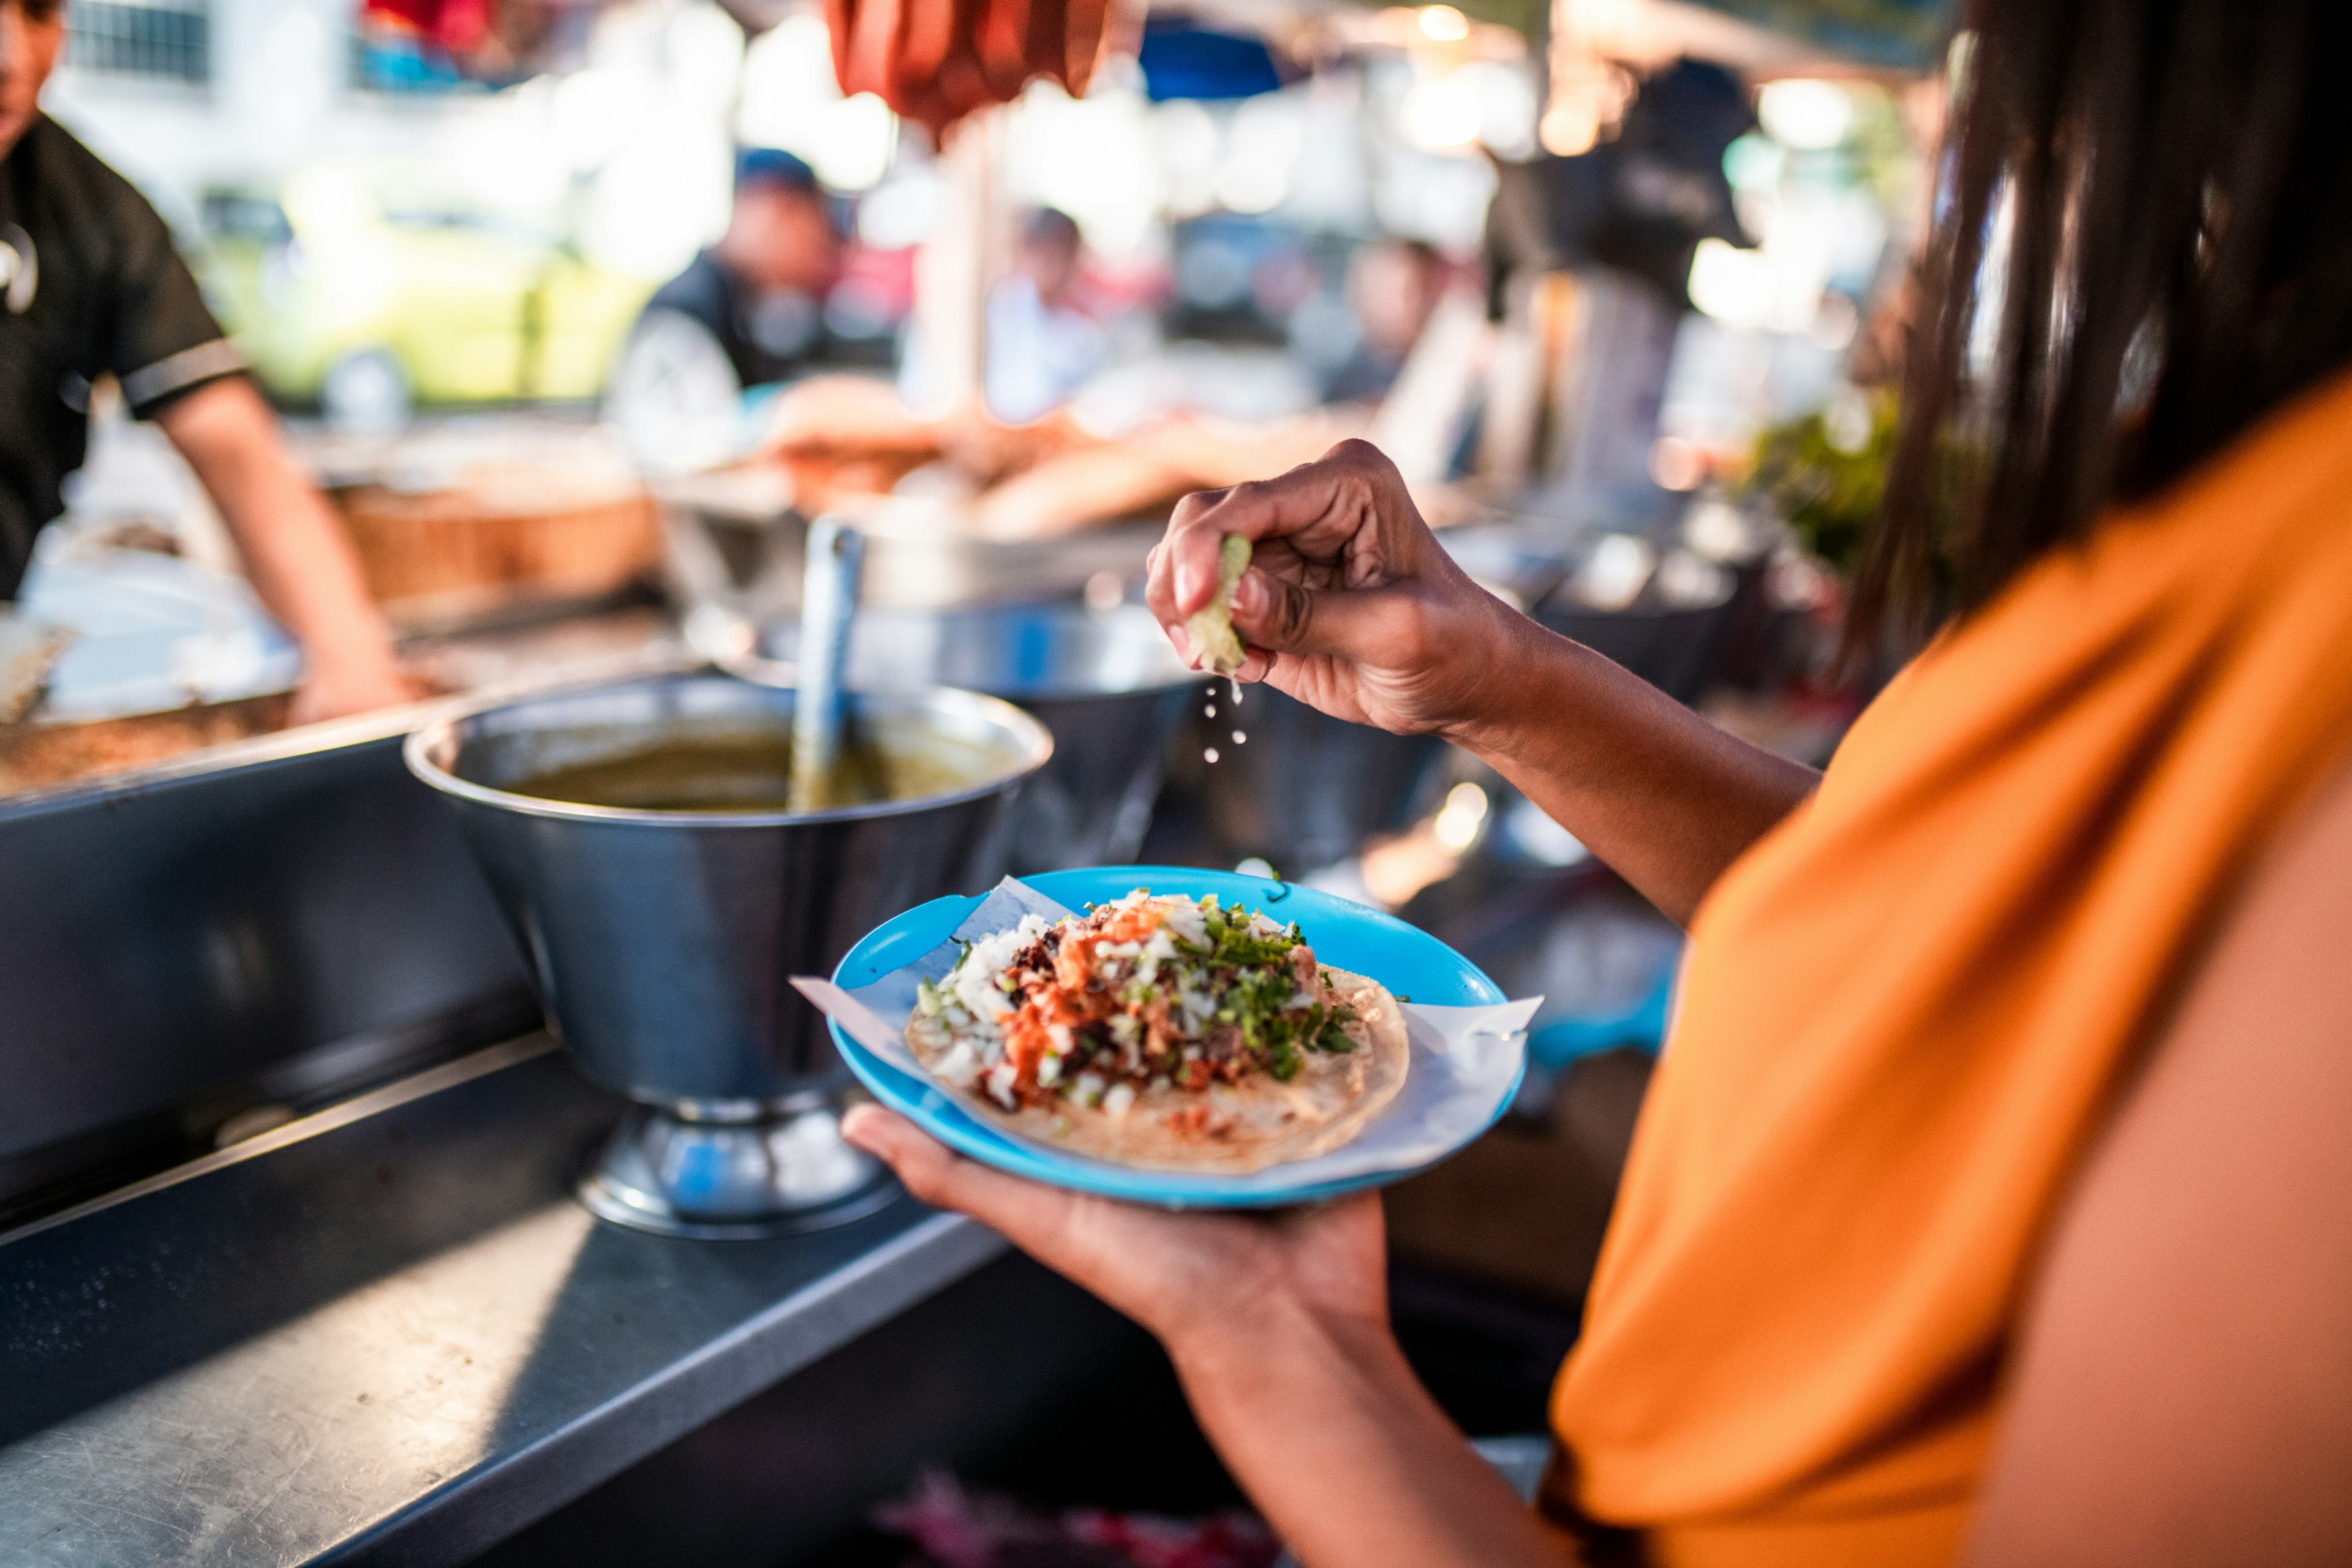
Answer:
(1669, 632)
(1305, 790)
(1106, 682)
(663, 941)
(736, 539)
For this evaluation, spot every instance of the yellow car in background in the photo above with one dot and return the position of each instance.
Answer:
(370, 311)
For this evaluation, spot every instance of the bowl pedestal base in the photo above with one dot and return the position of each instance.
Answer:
(734, 1169)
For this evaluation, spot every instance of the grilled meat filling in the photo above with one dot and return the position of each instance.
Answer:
(1132, 994)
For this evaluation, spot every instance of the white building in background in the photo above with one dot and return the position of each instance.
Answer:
(630, 155)
(187, 96)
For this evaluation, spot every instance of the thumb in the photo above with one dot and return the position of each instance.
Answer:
(1284, 617)
(1028, 1215)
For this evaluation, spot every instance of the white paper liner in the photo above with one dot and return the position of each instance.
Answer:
(1464, 1061)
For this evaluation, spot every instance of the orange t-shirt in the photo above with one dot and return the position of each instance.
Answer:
(1907, 1007)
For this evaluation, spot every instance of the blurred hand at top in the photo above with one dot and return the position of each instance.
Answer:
(1349, 603)
(338, 686)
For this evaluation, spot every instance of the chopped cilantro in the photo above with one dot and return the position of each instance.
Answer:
(1240, 947)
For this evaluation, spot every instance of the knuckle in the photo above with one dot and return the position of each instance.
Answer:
(1189, 509)
(1407, 632)
(1294, 610)
(928, 1178)
(945, 1191)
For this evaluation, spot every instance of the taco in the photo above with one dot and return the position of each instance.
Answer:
(1164, 1032)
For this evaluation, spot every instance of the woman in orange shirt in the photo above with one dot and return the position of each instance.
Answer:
(1988, 1201)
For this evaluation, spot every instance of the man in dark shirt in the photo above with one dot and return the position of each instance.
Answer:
(748, 311)
(90, 287)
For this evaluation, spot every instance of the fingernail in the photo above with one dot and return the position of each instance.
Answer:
(1250, 598)
(1188, 583)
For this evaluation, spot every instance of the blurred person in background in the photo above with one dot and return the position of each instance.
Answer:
(1393, 287)
(747, 312)
(1041, 346)
(93, 288)
(1988, 1202)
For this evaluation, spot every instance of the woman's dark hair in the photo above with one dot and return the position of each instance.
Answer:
(2165, 190)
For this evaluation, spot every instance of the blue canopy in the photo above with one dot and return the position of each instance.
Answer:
(1182, 58)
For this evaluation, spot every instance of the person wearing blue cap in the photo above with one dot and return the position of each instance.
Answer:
(748, 311)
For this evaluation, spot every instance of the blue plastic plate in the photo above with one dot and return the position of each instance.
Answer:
(1409, 961)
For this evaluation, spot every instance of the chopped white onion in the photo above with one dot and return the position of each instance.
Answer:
(959, 1066)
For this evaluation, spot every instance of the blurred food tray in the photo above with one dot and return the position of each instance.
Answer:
(739, 544)
(43, 756)
(499, 538)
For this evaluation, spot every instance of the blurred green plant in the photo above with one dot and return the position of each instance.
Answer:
(1824, 473)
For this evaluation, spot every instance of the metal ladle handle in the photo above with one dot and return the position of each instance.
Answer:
(836, 561)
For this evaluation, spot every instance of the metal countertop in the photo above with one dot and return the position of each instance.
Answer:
(387, 1333)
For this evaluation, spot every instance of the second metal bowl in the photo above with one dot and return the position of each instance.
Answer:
(1105, 682)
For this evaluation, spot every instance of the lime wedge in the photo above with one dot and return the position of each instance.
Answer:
(1211, 625)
